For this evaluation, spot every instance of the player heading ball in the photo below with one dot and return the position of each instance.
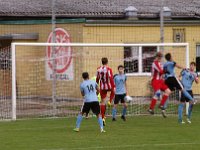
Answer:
(158, 85)
(105, 79)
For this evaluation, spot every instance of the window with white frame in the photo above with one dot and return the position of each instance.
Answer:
(138, 60)
(131, 59)
(198, 58)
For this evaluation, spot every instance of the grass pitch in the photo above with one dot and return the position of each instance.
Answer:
(138, 132)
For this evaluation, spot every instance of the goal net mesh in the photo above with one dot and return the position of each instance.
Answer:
(48, 78)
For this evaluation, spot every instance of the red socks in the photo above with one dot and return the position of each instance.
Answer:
(164, 99)
(103, 110)
(153, 103)
(112, 95)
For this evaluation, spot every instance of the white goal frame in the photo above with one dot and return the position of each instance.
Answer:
(14, 44)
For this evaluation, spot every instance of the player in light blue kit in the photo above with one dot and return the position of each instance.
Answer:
(120, 93)
(170, 78)
(89, 89)
(188, 77)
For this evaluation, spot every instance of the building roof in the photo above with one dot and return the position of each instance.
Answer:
(98, 8)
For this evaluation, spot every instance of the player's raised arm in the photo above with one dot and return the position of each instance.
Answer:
(195, 74)
(179, 66)
(169, 58)
(181, 74)
(196, 79)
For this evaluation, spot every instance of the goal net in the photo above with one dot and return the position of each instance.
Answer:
(43, 79)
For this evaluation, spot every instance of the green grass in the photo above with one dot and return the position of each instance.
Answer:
(141, 133)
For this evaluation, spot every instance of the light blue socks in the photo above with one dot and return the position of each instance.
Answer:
(180, 112)
(78, 121)
(124, 111)
(114, 112)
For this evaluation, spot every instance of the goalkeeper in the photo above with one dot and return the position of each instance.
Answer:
(188, 77)
(120, 93)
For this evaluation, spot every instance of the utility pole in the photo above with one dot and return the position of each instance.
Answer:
(161, 26)
(53, 22)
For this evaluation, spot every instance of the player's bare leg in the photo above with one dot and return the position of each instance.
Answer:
(166, 94)
(112, 95)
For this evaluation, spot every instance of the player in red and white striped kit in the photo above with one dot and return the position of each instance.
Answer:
(158, 85)
(105, 79)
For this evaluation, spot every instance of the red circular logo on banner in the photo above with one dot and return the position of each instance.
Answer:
(63, 54)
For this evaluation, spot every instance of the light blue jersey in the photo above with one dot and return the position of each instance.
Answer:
(120, 83)
(188, 78)
(169, 69)
(88, 87)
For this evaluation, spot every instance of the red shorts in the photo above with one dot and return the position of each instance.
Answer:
(103, 93)
(159, 85)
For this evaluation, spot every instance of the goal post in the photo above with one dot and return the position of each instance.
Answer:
(14, 96)
(31, 95)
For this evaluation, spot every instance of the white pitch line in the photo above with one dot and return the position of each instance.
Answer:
(35, 129)
(43, 128)
(136, 145)
(53, 149)
(124, 146)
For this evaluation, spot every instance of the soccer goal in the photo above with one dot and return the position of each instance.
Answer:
(45, 77)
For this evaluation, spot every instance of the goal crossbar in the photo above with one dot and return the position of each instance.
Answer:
(99, 44)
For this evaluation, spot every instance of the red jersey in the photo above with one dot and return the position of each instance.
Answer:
(105, 76)
(157, 70)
